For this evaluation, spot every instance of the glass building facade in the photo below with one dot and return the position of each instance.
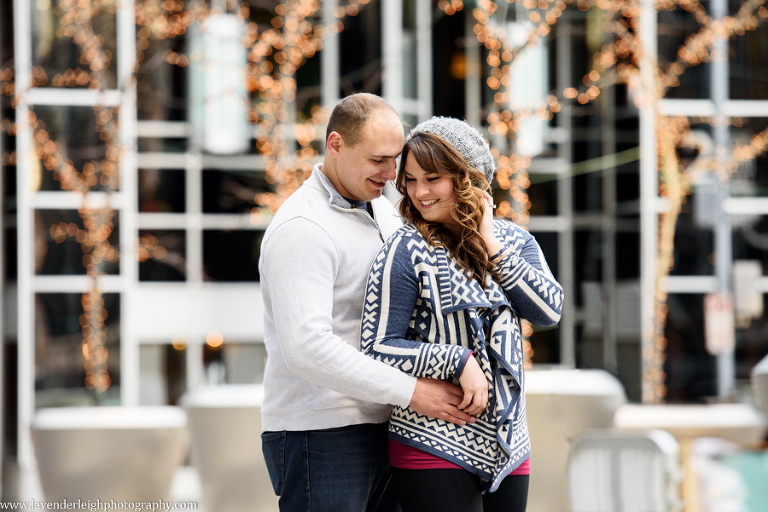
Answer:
(144, 146)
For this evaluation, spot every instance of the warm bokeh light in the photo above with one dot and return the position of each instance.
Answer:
(214, 339)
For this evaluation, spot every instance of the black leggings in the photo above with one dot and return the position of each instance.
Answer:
(446, 490)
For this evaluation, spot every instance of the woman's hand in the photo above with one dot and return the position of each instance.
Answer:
(475, 388)
(492, 244)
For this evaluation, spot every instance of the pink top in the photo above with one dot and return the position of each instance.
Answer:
(407, 457)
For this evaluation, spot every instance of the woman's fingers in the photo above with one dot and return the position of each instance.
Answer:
(466, 401)
(478, 404)
(475, 387)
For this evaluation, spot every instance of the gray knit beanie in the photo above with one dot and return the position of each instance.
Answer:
(464, 138)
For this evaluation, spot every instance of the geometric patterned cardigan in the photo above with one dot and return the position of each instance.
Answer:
(424, 315)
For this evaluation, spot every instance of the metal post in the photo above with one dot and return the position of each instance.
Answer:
(610, 307)
(329, 59)
(565, 243)
(719, 77)
(424, 58)
(473, 52)
(648, 195)
(25, 226)
(391, 49)
(129, 233)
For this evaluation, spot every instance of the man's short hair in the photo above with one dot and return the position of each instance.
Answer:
(350, 114)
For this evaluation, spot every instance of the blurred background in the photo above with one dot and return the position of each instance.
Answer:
(146, 145)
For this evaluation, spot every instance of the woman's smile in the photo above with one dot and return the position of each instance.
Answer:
(431, 193)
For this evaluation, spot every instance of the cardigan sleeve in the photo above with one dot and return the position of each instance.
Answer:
(392, 292)
(524, 275)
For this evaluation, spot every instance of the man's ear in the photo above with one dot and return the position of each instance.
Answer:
(333, 145)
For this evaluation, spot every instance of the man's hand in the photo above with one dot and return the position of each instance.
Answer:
(439, 399)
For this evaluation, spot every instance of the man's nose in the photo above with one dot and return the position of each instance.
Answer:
(391, 171)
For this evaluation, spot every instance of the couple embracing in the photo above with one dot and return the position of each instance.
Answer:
(395, 368)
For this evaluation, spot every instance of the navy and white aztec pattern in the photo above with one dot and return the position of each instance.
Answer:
(425, 316)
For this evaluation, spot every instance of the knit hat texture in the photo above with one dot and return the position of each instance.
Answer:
(464, 138)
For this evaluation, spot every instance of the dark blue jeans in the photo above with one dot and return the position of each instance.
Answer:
(334, 470)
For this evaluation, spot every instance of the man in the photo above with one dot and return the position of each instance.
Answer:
(326, 405)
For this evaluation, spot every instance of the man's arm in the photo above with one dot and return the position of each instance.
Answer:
(299, 264)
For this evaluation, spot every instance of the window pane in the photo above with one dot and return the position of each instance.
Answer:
(59, 60)
(748, 72)
(691, 372)
(163, 374)
(64, 247)
(542, 194)
(360, 54)
(693, 246)
(545, 341)
(674, 28)
(750, 178)
(162, 190)
(234, 191)
(231, 255)
(163, 144)
(61, 365)
(750, 239)
(545, 345)
(162, 86)
(234, 363)
(73, 152)
(162, 255)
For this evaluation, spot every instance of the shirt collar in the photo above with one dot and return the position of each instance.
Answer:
(335, 198)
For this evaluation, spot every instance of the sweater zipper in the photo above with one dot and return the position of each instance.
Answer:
(356, 210)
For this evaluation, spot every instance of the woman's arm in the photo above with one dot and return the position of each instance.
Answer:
(521, 270)
(523, 273)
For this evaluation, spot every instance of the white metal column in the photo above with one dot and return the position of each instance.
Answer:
(565, 244)
(424, 58)
(129, 234)
(719, 78)
(25, 226)
(608, 222)
(648, 193)
(329, 60)
(473, 92)
(391, 50)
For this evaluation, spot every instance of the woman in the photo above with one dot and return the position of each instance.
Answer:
(444, 300)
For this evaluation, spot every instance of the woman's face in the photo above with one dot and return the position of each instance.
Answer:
(431, 194)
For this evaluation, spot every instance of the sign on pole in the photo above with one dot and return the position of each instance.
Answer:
(719, 335)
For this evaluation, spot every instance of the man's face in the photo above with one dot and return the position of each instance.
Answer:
(364, 169)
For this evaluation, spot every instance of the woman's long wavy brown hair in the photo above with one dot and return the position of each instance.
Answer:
(435, 155)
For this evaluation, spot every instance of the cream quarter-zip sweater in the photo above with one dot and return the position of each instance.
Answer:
(315, 258)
